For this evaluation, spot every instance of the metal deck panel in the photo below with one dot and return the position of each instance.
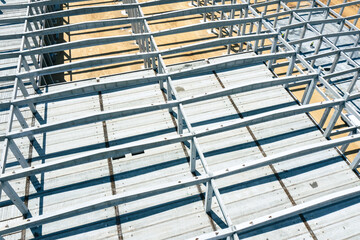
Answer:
(234, 155)
(338, 219)
(244, 195)
(280, 231)
(299, 191)
(165, 211)
(223, 144)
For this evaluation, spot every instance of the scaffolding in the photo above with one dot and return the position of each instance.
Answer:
(299, 36)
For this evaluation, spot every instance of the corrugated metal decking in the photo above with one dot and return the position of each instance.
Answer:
(212, 148)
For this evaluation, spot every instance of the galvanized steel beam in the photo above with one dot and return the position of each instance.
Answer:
(282, 215)
(112, 114)
(113, 200)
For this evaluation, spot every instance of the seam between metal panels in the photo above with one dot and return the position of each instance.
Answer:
(270, 165)
(111, 171)
(202, 196)
(346, 160)
(27, 182)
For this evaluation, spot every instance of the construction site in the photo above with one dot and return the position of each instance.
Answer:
(174, 119)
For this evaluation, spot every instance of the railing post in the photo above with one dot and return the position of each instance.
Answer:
(340, 29)
(353, 82)
(277, 11)
(324, 117)
(342, 9)
(302, 35)
(258, 32)
(345, 146)
(292, 63)
(333, 120)
(335, 62)
(205, 4)
(180, 120)
(208, 196)
(325, 17)
(291, 17)
(273, 49)
(168, 90)
(355, 163)
(312, 6)
(317, 49)
(192, 156)
(309, 90)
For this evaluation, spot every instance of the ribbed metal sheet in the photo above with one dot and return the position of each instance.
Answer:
(179, 214)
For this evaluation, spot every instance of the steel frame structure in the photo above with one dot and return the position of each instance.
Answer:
(236, 24)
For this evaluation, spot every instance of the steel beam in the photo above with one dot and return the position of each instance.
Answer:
(121, 21)
(138, 147)
(107, 115)
(101, 86)
(282, 215)
(80, 11)
(133, 37)
(94, 205)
